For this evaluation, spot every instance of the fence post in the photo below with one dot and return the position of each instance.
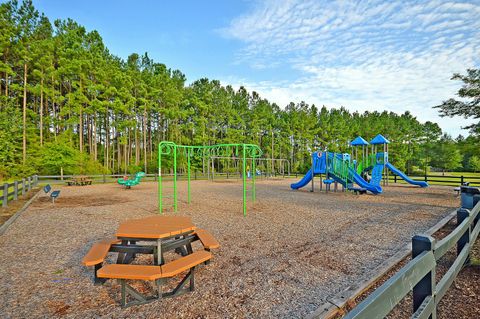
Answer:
(104, 179)
(5, 195)
(29, 183)
(395, 178)
(35, 180)
(426, 286)
(463, 214)
(195, 174)
(426, 179)
(461, 180)
(15, 190)
(23, 186)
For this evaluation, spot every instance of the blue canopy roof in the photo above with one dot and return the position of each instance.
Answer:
(379, 139)
(358, 141)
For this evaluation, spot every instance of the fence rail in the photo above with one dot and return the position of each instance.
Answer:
(447, 180)
(419, 273)
(10, 191)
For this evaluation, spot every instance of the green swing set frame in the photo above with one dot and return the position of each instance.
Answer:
(167, 149)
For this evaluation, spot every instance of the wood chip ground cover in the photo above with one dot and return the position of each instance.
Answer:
(292, 251)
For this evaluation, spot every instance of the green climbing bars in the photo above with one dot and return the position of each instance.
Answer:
(169, 151)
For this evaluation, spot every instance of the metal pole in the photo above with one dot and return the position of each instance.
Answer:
(175, 178)
(253, 179)
(244, 183)
(160, 204)
(188, 174)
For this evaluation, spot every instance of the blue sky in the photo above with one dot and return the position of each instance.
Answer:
(364, 55)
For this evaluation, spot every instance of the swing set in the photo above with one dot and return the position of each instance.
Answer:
(170, 152)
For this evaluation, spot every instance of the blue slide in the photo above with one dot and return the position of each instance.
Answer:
(375, 189)
(304, 181)
(407, 179)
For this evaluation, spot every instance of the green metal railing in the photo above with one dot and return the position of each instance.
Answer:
(169, 151)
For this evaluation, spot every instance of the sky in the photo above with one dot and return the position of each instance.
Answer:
(364, 55)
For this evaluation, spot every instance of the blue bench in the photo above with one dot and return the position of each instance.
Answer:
(53, 195)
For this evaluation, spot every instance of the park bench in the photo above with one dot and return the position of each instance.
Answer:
(96, 255)
(358, 190)
(124, 272)
(207, 239)
(53, 195)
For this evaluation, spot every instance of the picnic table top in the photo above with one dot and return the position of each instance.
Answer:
(155, 227)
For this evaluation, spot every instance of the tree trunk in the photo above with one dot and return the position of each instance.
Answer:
(80, 120)
(94, 136)
(24, 113)
(41, 112)
(107, 142)
(80, 129)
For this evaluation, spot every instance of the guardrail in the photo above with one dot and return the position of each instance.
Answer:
(10, 191)
(419, 273)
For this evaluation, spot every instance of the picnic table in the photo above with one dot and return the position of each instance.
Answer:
(79, 180)
(162, 234)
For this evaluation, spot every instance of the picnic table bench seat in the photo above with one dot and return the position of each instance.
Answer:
(124, 272)
(98, 252)
(207, 239)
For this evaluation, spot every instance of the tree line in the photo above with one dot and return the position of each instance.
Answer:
(68, 104)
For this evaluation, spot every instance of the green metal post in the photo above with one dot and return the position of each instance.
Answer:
(188, 174)
(175, 178)
(244, 183)
(254, 172)
(160, 201)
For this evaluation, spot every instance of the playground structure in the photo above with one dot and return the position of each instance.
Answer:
(341, 168)
(172, 154)
(282, 164)
(128, 183)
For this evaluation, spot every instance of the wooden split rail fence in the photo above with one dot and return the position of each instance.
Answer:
(419, 273)
(10, 191)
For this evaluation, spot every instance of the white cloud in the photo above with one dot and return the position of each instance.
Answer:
(362, 55)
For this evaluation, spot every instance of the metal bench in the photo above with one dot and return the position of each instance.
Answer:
(159, 274)
(53, 195)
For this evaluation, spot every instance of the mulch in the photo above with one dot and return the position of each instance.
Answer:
(292, 252)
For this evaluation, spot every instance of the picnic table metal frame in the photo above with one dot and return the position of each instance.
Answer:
(129, 247)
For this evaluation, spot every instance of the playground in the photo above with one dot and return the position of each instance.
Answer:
(291, 252)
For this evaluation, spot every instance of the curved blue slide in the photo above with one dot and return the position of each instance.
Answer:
(375, 189)
(304, 181)
(407, 179)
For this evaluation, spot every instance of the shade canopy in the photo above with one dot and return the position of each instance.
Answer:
(379, 139)
(358, 141)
